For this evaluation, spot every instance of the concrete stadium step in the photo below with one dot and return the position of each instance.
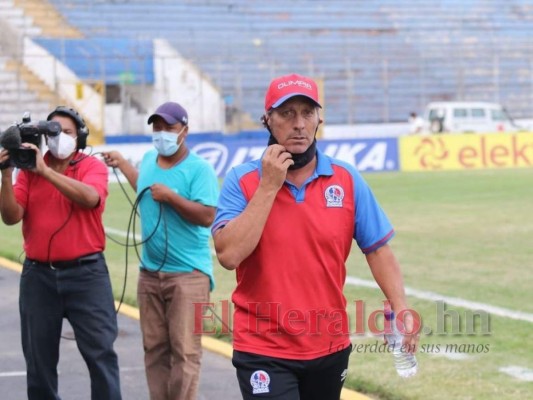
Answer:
(16, 97)
(48, 19)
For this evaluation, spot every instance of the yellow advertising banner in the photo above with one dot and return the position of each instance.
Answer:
(466, 151)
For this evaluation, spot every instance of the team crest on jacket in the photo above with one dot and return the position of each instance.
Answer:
(260, 382)
(334, 195)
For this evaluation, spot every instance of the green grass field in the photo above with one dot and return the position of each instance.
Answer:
(460, 234)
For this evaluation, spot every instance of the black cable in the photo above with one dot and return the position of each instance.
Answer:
(122, 187)
(68, 218)
(126, 245)
(161, 215)
(54, 234)
(137, 203)
(165, 254)
(135, 207)
(84, 156)
(132, 229)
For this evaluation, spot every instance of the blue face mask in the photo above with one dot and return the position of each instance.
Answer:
(166, 143)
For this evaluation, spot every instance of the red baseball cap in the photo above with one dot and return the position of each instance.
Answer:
(283, 88)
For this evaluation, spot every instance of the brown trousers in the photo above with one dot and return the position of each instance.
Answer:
(172, 351)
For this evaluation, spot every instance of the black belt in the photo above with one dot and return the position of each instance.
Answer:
(88, 259)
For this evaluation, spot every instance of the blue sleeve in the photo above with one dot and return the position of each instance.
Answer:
(372, 227)
(204, 187)
(231, 201)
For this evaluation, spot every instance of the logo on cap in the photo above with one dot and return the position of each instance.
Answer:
(283, 88)
(302, 84)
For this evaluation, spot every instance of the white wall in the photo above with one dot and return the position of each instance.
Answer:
(62, 80)
(177, 79)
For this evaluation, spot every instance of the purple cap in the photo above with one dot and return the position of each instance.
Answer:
(171, 112)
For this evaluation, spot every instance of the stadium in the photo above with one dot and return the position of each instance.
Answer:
(458, 197)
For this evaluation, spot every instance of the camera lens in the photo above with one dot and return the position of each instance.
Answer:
(23, 158)
(53, 128)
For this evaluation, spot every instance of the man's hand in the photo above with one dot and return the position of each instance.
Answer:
(40, 166)
(4, 160)
(116, 160)
(275, 163)
(161, 193)
(411, 330)
(113, 158)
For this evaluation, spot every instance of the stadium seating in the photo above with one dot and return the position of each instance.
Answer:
(115, 59)
(379, 60)
(15, 99)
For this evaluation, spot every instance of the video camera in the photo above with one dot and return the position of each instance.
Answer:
(25, 132)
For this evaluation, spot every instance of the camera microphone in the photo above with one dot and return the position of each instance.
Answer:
(10, 138)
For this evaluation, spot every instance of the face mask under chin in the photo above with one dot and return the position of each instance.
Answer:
(300, 159)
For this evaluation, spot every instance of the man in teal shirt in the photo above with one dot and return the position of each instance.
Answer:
(177, 192)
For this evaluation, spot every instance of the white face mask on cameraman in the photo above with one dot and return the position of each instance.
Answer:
(62, 145)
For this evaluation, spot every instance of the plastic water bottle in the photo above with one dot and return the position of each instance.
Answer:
(405, 362)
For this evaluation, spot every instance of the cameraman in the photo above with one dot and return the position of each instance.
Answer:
(60, 203)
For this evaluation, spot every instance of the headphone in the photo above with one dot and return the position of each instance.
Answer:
(82, 130)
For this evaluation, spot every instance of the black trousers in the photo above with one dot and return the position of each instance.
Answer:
(81, 292)
(277, 378)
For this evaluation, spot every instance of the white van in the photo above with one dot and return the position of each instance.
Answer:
(467, 117)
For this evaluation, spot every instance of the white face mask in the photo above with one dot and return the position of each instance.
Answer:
(62, 145)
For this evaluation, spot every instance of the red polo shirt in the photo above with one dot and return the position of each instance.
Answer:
(289, 300)
(54, 228)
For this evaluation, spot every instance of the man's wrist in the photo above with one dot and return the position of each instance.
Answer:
(7, 175)
(46, 172)
(267, 190)
(120, 163)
